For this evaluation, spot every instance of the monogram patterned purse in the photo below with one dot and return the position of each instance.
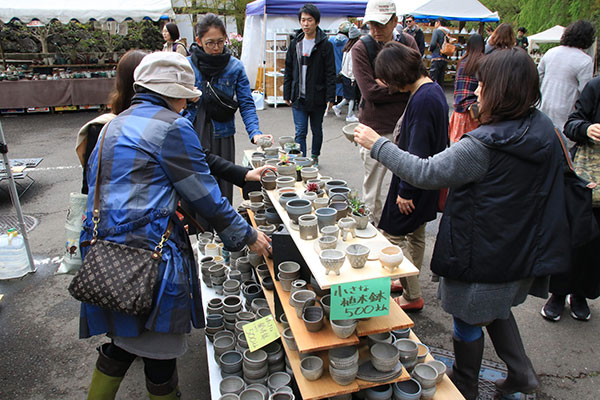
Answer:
(115, 276)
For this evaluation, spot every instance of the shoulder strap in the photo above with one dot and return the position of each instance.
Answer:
(372, 48)
(96, 209)
(564, 147)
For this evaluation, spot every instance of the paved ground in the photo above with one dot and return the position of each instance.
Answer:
(43, 359)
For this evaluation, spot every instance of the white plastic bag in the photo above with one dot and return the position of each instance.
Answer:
(259, 100)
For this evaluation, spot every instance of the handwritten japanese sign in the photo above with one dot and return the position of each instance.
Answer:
(261, 332)
(361, 299)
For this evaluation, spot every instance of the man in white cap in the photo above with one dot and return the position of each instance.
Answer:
(151, 158)
(378, 109)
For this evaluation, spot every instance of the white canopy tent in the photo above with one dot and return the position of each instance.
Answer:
(457, 10)
(83, 11)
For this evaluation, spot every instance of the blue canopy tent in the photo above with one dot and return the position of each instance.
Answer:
(348, 8)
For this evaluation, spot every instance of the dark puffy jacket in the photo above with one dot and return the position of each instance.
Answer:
(512, 224)
(320, 75)
(587, 112)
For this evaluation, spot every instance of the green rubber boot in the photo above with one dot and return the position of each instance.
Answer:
(107, 377)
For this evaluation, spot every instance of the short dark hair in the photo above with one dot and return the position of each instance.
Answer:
(407, 16)
(173, 30)
(511, 85)
(398, 65)
(579, 34)
(503, 37)
(209, 21)
(441, 20)
(522, 29)
(310, 9)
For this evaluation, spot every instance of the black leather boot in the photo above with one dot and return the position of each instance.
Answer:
(164, 391)
(506, 338)
(467, 362)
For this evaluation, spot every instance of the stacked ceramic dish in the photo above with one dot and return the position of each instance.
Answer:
(214, 318)
(205, 264)
(243, 265)
(255, 367)
(217, 277)
(289, 271)
(231, 363)
(427, 376)
(343, 364)
(407, 350)
(231, 306)
(275, 357)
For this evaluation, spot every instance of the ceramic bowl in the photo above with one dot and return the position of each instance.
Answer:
(255, 259)
(255, 197)
(326, 216)
(407, 348)
(391, 257)
(272, 216)
(262, 270)
(277, 380)
(358, 255)
(229, 396)
(224, 333)
(231, 361)
(401, 333)
(348, 131)
(250, 374)
(326, 303)
(343, 190)
(382, 392)
(258, 303)
(268, 283)
(320, 202)
(331, 230)
(281, 396)
(255, 359)
(289, 269)
(308, 227)
(312, 316)
(327, 242)
(384, 337)
(298, 298)
(232, 384)
(384, 356)
(285, 182)
(231, 285)
(286, 283)
(245, 316)
(440, 367)
(283, 320)
(282, 140)
(332, 260)
(407, 390)
(261, 388)
(309, 173)
(429, 393)
(333, 183)
(296, 208)
(303, 161)
(426, 375)
(232, 304)
(343, 357)
(344, 376)
(422, 352)
(251, 394)
(288, 336)
(343, 328)
(312, 367)
(267, 229)
(287, 196)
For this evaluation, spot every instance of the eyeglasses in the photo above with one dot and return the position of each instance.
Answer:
(213, 44)
(409, 21)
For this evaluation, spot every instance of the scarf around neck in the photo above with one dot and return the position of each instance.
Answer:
(209, 65)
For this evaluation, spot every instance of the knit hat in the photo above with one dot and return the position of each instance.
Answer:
(380, 11)
(344, 27)
(168, 74)
(353, 33)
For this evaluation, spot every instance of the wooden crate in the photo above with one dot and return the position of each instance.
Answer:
(269, 89)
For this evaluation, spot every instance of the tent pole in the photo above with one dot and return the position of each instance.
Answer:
(264, 40)
(14, 196)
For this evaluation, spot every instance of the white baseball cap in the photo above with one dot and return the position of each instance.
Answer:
(380, 11)
(168, 74)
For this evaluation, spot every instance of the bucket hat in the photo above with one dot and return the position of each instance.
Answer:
(380, 11)
(353, 33)
(168, 74)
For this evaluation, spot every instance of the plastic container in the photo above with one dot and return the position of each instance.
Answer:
(13, 255)
(259, 100)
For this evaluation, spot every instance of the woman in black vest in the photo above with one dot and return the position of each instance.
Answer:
(504, 228)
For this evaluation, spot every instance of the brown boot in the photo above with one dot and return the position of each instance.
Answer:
(506, 338)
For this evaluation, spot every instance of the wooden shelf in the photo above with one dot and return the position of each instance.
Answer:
(371, 270)
(396, 319)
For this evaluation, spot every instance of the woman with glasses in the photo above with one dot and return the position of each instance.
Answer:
(214, 66)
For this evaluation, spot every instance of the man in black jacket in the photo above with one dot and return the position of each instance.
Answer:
(413, 30)
(309, 81)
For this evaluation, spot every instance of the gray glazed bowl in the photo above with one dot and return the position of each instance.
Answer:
(232, 384)
(277, 380)
(332, 260)
(407, 348)
(231, 361)
(440, 367)
(407, 390)
(426, 375)
(344, 328)
(343, 357)
(312, 367)
(344, 376)
(384, 356)
(357, 255)
(251, 394)
(327, 242)
(289, 269)
(298, 207)
(382, 392)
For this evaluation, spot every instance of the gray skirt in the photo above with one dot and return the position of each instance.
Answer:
(481, 303)
(154, 345)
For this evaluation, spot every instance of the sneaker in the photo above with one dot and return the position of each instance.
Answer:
(315, 160)
(410, 306)
(352, 118)
(553, 307)
(579, 307)
(337, 110)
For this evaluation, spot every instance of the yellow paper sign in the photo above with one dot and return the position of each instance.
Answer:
(261, 332)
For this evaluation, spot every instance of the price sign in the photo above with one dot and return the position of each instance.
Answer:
(261, 332)
(361, 299)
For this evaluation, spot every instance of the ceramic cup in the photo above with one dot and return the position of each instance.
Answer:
(308, 227)
(325, 216)
(357, 255)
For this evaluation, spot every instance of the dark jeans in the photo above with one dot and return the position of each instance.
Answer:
(437, 71)
(301, 120)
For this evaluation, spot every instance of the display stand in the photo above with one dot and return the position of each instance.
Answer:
(276, 74)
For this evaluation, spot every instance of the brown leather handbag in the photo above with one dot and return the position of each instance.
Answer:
(115, 276)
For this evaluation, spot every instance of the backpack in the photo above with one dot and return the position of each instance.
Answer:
(373, 48)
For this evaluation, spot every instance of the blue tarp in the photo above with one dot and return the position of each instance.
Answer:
(349, 8)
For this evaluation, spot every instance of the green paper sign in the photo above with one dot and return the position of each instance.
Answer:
(261, 332)
(361, 299)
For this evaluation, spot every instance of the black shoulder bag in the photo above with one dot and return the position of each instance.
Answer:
(219, 106)
(115, 276)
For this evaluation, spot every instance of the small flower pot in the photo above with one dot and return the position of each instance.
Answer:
(312, 367)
